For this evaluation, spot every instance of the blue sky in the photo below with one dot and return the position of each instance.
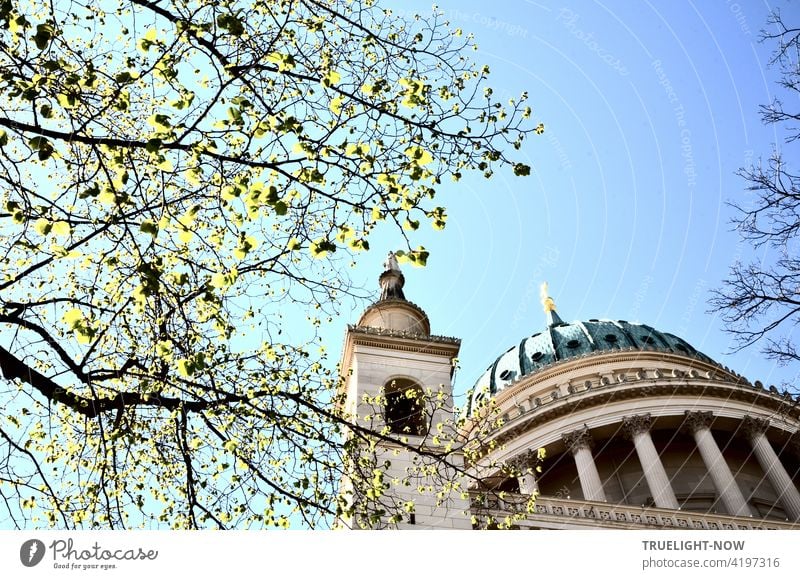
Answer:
(649, 109)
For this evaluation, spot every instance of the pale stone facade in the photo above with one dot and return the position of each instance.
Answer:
(674, 438)
(639, 430)
(388, 352)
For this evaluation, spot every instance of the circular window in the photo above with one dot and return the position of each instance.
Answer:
(648, 340)
(681, 347)
(573, 344)
(536, 356)
(506, 375)
(611, 338)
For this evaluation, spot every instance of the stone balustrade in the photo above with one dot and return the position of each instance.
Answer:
(560, 513)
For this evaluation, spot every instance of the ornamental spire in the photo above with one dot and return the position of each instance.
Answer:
(392, 280)
(549, 307)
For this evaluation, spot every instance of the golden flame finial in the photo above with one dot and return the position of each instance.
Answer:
(547, 302)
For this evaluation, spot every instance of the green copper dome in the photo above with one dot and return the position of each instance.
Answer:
(562, 341)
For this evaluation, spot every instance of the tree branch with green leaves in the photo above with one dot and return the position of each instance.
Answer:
(175, 176)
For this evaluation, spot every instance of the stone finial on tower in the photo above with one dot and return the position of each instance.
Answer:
(392, 280)
(391, 262)
(549, 307)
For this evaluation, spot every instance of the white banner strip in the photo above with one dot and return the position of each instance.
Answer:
(399, 554)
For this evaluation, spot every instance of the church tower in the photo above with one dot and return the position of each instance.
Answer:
(397, 392)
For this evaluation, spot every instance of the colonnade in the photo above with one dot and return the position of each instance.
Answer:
(637, 428)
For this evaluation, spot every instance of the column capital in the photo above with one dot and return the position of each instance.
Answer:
(637, 424)
(578, 439)
(753, 427)
(698, 420)
(523, 463)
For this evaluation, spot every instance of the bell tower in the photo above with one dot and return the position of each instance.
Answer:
(397, 393)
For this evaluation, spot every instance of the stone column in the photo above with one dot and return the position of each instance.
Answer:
(699, 424)
(525, 465)
(580, 444)
(637, 428)
(755, 429)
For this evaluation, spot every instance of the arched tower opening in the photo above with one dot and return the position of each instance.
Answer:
(404, 407)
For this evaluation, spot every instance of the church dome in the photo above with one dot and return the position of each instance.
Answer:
(562, 341)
